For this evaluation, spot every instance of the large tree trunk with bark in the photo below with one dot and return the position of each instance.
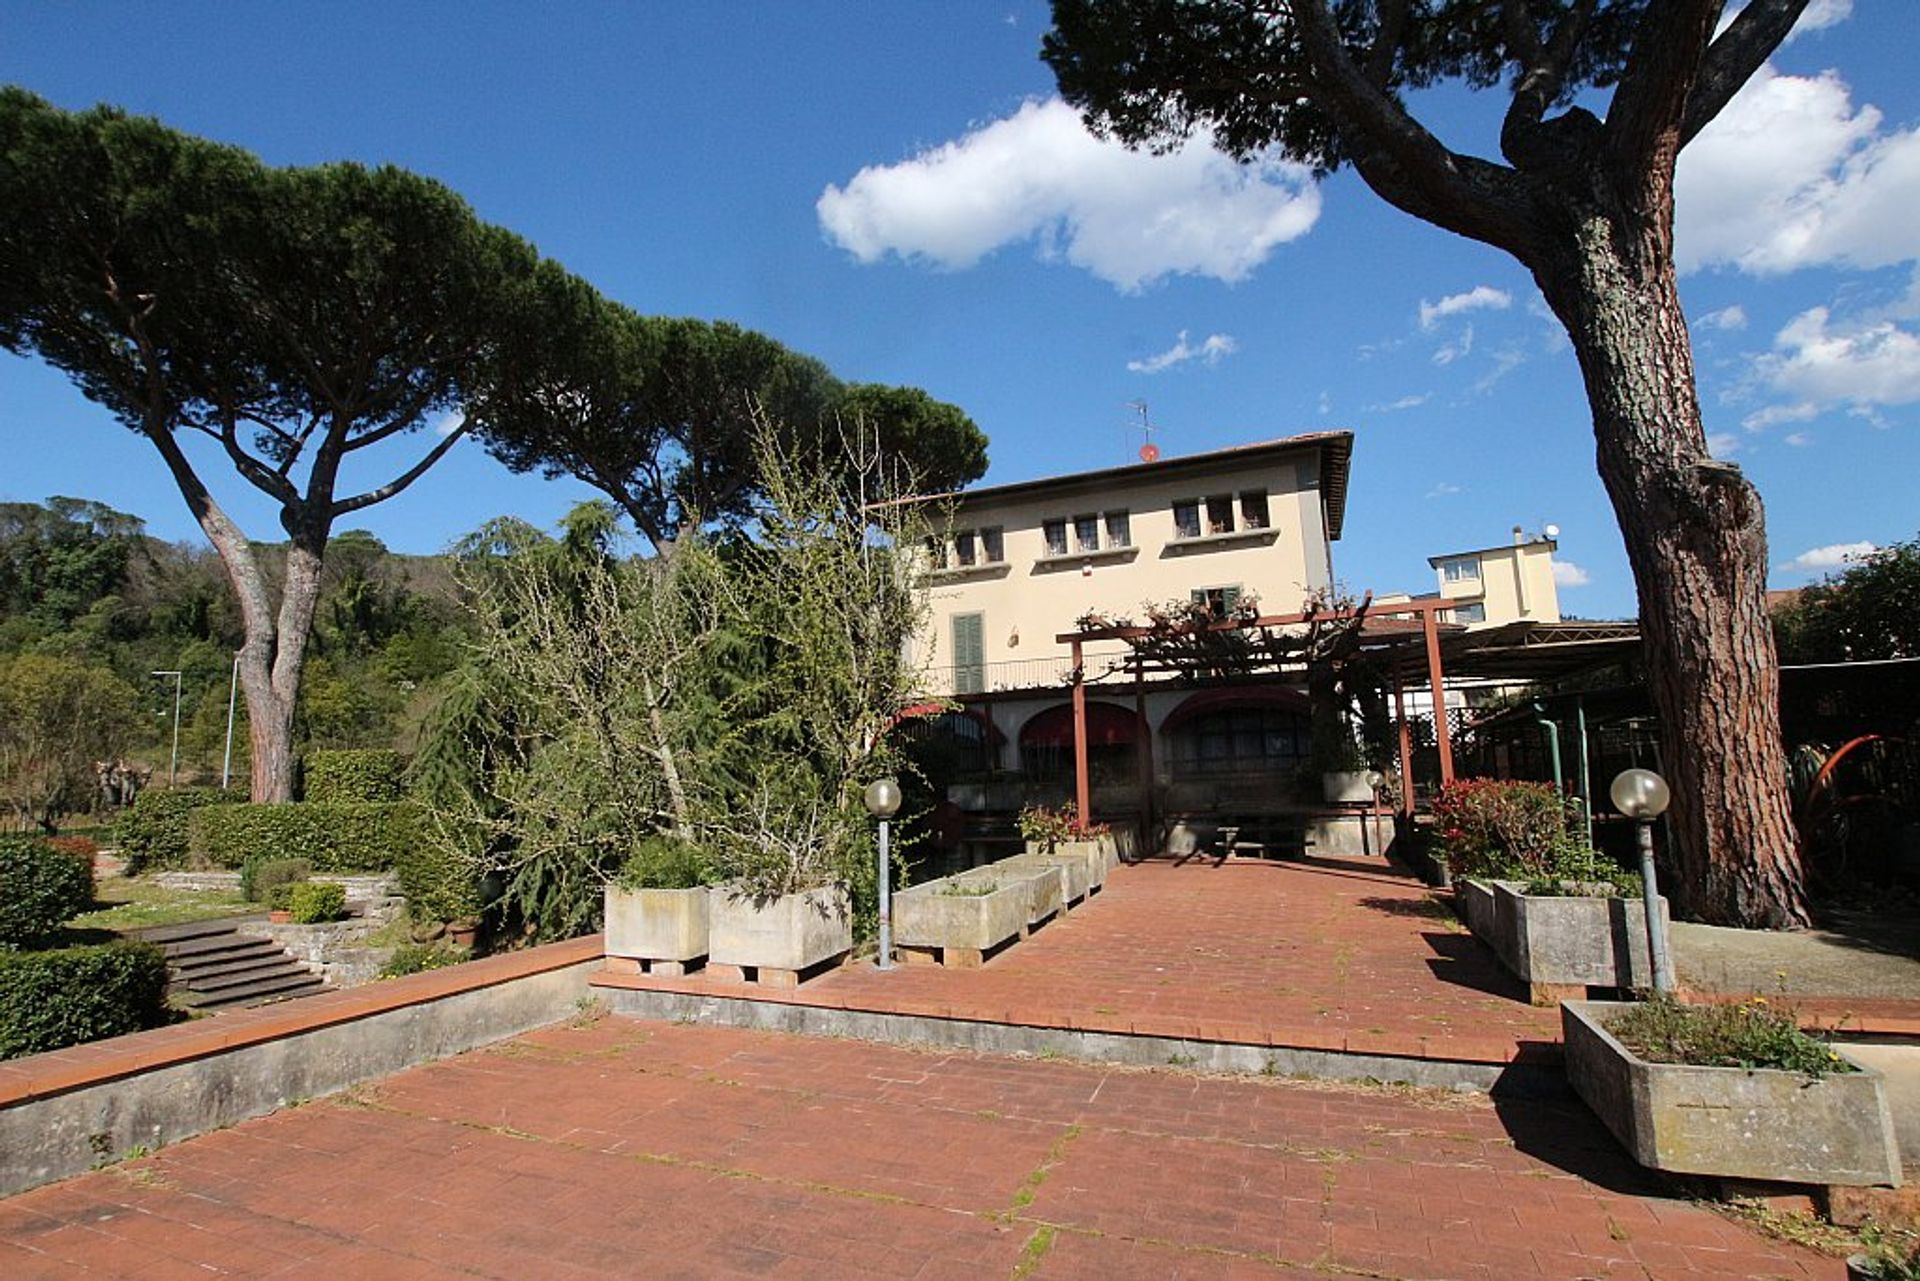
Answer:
(1696, 538)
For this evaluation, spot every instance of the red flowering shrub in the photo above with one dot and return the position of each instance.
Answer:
(1501, 827)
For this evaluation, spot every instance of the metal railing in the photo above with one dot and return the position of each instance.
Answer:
(1053, 672)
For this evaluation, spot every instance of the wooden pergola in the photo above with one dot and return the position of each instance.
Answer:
(1426, 611)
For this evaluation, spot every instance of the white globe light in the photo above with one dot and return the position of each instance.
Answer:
(1640, 793)
(1553, 531)
(882, 797)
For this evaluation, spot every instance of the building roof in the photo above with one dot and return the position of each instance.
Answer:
(1536, 541)
(1335, 449)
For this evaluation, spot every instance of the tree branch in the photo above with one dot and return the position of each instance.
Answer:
(400, 482)
(1543, 78)
(1643, 123)
(1386, 42)
(1404, 163)
(267, 481)
(1735, 56)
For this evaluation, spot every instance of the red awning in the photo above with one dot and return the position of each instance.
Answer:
(1108, 725)
(933, 715)
(1227, 699)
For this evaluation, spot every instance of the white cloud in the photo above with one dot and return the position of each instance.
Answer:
(1461, 346)
(1832, 556)
(1210, 352)
(1818, 16)
(1568, 574)
(1445, 489)
(1476, 298)
(1790, 175)
(1129, 217)
(1798, 439)
(448, 423)
(1506, 359)
(1326, 403)
(1862, 365)
(1722, 444)
(1773, 415)
(1405, 402)
(1729, 318)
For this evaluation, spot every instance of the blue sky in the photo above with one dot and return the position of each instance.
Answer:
(892, 188)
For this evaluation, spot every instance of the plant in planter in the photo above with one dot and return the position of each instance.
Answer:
(783, 905)
(1061, 833)
(1889, 1256)
(1341, 764)
(958, 919)
(657, 907)
(1735, 1091)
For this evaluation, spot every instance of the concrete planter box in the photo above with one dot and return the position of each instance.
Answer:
(929, 916)
(1475, 901)
(1090, 852)
(1764, 1124)
(1040, 881)
(1070, 869)
(1346, 787)
(1561, 944)
(791, 933)
(657, 925)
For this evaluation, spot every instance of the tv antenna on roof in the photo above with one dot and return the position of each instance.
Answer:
(1149, 452)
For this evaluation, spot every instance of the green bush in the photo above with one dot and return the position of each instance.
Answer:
(663, 863)
(280, 897)
(1506, 828)
(49, 1000)
(334, 836)
(370, 775)
(316, 902)
(439, 879)
(41, 888)
(259, 877)
(1750, 1034)
(412, 958)
(153, 834)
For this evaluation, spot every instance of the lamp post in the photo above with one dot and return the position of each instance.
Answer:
(233, 689)
(1642, 796)
(173, 767)
(883, 799)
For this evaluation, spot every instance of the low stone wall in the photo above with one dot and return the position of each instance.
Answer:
(65, 1112)
(360, 886)
(335, 950)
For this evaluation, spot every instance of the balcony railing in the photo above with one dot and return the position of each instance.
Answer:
(1022, 673)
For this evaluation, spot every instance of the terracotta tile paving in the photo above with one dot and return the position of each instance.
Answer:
(627, 1148)
(1333, 953)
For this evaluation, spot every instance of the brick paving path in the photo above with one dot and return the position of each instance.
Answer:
(621, 1148)
(1332, 954)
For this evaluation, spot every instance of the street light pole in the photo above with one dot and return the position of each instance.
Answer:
(1642, 796)
(173, 767)
(883, 799)
(233, 689)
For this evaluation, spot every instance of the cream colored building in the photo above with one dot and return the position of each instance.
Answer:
(1504, 584)
(1021, 563)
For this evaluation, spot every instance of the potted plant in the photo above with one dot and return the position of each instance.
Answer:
(783, 906)
(1731, 1090)
(656, 908)
(1889, 1256)
(1342, 765)
(1060, 832)
(962, 917)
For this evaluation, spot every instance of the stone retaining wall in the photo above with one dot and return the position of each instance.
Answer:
(65, 1112)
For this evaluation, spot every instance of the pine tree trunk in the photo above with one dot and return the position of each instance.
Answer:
(1695, 535)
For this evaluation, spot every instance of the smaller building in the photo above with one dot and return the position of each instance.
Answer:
(1510, 583)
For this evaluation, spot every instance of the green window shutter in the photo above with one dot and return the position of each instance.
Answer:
(969, 653)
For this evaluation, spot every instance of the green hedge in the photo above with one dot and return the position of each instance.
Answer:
(49, 1000)
(439, 882)
(372, 774)
(153, 834)
(40, 889)
(260, 875)
(336, 836)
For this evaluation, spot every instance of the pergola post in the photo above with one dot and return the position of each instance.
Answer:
(1406, 743)
(1145, 750)
(1436, 682)
(1082, 794)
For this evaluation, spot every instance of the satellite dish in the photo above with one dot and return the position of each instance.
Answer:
(1552, 531)
(1149, 453)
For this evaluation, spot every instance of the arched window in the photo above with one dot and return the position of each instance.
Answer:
(1238, 732)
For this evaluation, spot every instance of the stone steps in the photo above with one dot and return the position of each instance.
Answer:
(212, 965)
